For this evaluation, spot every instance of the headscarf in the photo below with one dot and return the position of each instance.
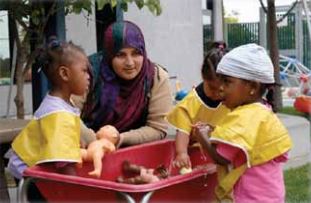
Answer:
(249, 62)
(114, 101)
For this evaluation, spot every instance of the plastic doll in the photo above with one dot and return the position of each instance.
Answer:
(145, 175)
(107, 138)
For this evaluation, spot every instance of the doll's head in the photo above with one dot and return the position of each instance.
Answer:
(108, 132)
(247, 73)
(208, 71)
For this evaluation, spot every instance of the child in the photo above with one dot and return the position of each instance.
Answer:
(251, 139)
(202, 104)
(107, 137)
(53, 135)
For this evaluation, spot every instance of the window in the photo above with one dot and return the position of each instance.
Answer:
(4, 49)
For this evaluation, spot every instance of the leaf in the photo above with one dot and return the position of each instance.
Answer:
(139, 3)
(154, 6)
(113, 3)
(35, 17)
(124, 6)
(101, 4)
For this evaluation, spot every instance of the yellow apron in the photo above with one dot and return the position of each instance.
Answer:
(192, 110)
(54, 137)
(255, 130)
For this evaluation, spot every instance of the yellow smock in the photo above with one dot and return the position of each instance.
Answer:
(54, 137)
(258, 132)
(193, 109)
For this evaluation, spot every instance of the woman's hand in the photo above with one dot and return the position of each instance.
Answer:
(182, 160)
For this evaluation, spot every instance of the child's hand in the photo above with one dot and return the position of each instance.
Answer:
(201, 132)
(182, 160)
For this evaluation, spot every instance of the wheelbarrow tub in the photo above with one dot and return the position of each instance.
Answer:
(197, 186)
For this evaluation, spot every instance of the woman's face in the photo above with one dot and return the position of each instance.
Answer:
(127, 63)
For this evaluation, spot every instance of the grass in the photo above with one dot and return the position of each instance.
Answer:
(297, 180)
(292, 111)
(297, 183)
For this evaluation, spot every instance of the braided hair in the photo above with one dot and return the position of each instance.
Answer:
(216, 51)
(55, 55)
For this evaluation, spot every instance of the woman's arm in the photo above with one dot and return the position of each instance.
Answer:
(159, 105)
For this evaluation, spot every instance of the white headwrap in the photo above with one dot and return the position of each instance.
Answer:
(249, 62)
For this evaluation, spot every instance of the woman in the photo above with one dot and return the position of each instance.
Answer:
(130, 92)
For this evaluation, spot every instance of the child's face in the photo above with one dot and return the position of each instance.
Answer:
(235, 92)
(211, 89)
(127, 63)
(79, 74)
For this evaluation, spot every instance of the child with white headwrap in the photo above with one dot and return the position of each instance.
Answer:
(251, 139)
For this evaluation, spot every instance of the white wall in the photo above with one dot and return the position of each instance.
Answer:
(82, 31)
(175, 38)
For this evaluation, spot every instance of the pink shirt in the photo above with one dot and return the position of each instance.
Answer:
(259, 184)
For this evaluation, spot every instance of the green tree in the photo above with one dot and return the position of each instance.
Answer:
(29, 18)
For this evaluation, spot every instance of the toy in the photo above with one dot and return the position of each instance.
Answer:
(185, 170)
(107, 137)
(142, 175)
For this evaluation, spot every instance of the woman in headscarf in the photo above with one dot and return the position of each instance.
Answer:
(130, 92)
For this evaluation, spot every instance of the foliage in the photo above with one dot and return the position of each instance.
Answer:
(297, 184)
(231, 19)
(78, 6)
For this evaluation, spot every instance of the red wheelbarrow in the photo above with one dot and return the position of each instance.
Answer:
(196, 186)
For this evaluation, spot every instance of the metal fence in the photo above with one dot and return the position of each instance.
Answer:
(242, 33)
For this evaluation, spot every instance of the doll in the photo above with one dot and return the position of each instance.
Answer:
(142, 175)
(107, 138)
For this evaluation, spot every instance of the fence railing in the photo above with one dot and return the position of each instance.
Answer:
(243, 33)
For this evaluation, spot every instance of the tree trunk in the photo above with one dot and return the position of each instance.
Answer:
(19, 98)
(274, 53)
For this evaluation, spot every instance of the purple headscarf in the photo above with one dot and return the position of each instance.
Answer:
(114, 101)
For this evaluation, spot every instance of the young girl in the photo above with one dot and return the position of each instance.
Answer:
(251, 139)
(202, 104)
(53, 135)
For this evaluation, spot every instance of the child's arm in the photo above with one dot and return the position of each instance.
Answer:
(182, 158)
(87, 135)
(201, 134)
